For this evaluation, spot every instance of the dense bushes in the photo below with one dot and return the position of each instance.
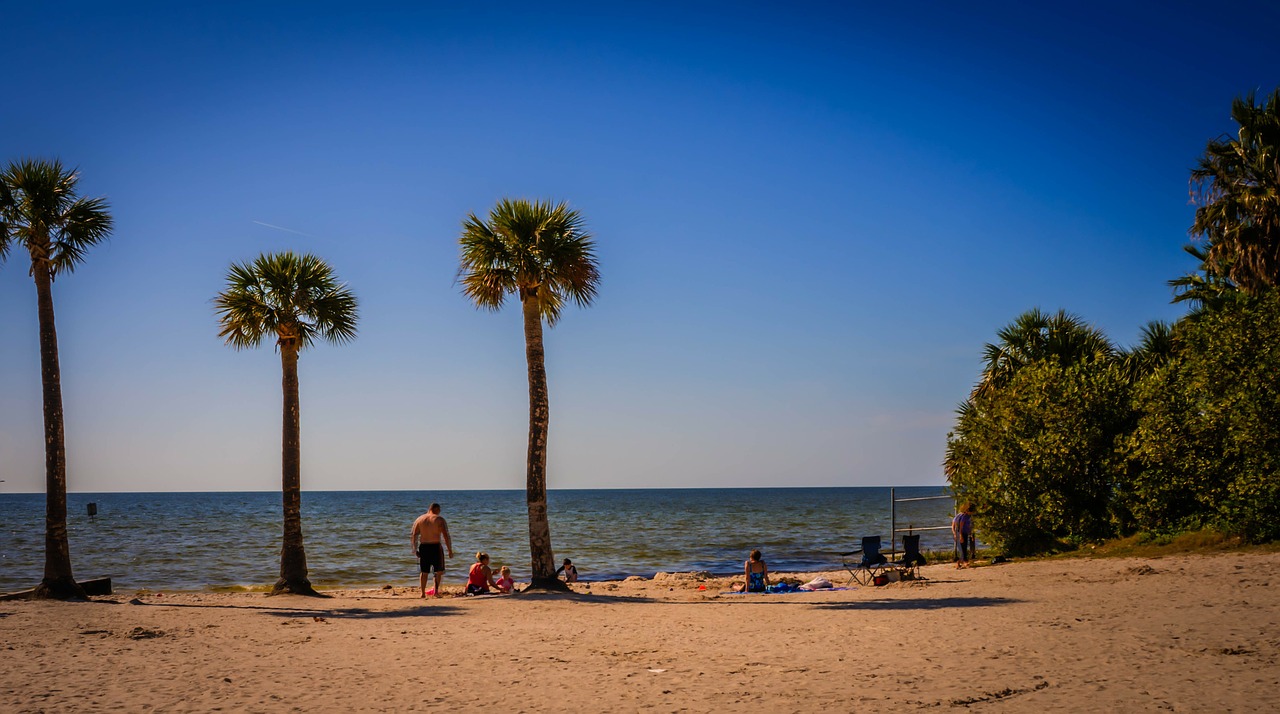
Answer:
(1072, 450)
(1038, 454)
(1206, 450)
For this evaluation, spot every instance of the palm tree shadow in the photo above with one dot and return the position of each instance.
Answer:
(337, 613)
(590, 598)
(937, 603)
(360, 613)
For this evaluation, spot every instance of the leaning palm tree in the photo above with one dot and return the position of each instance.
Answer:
(542, 254)
(1236, 187)
(40, 211)
(295, 299)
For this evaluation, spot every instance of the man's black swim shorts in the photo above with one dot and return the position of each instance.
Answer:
(430, 555)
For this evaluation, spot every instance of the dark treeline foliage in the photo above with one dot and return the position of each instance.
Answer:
(1067, 439)
(1206, 448)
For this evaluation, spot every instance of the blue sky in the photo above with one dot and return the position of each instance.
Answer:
(810, 218)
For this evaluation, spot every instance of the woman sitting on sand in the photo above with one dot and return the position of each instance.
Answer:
(757, 573)
(480, 579)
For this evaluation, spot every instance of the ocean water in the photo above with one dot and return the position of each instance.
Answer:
(198, 541)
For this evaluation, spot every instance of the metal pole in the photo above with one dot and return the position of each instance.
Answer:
(893, 522)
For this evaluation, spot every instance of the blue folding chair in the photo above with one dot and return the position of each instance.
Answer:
(909, 565)
(868, 564)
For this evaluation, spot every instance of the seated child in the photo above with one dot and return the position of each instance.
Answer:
(505, 584)
(480, 578)
(570, 572)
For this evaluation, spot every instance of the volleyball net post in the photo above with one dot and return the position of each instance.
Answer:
(894, 530)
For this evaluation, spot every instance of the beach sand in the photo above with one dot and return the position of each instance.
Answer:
(1185, 633)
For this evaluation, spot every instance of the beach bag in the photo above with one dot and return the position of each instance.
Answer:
(880, 580)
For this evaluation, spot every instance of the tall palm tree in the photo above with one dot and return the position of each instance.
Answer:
(1035, 335)
(542, 254)
(1236, 187)
(296, 299)
(40, 211)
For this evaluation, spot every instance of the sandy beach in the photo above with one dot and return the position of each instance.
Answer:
(1185, 633)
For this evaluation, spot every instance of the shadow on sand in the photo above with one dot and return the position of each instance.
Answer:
(583, 597)
(934, 603)
(337, 613)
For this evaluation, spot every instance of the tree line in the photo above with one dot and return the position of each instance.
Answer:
(538, 251)
(1068, 438)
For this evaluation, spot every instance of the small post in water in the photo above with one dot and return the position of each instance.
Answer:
(92, 509)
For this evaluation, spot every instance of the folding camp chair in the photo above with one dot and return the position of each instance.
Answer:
(912, 558)
(871, 563)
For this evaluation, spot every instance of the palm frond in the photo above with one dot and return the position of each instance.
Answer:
(6, 209)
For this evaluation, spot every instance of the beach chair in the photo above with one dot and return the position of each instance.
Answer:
(865, 563)
(909, 564)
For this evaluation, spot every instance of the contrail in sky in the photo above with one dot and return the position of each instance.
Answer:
(282, 228)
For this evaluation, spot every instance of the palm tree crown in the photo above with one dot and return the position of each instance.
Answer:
(296, 298)
(40, 211)
(533, 249)
(1036, 335)
(1156, 346)
(1237, 189)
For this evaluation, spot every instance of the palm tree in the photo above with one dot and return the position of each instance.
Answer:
(1237, 189)
(40, 211)
(1210, 288)
(1156, 346)
(1035, 335)
(295, 299)
(541, 253)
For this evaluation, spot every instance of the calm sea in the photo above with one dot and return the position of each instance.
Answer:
(190, 541)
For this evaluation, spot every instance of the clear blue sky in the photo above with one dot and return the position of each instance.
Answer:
(810, 218)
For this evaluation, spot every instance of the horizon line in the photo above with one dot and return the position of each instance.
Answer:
(455, 490)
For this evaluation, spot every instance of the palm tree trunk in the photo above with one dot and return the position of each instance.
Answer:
(293, 559)
(58, 581)
(543, 561)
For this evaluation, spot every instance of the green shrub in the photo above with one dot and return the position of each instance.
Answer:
(1206, 449)
(1038, 455)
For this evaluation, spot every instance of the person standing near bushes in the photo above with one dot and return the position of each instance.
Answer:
(962, 534)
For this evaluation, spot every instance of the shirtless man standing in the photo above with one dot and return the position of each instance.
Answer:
(426, 534)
